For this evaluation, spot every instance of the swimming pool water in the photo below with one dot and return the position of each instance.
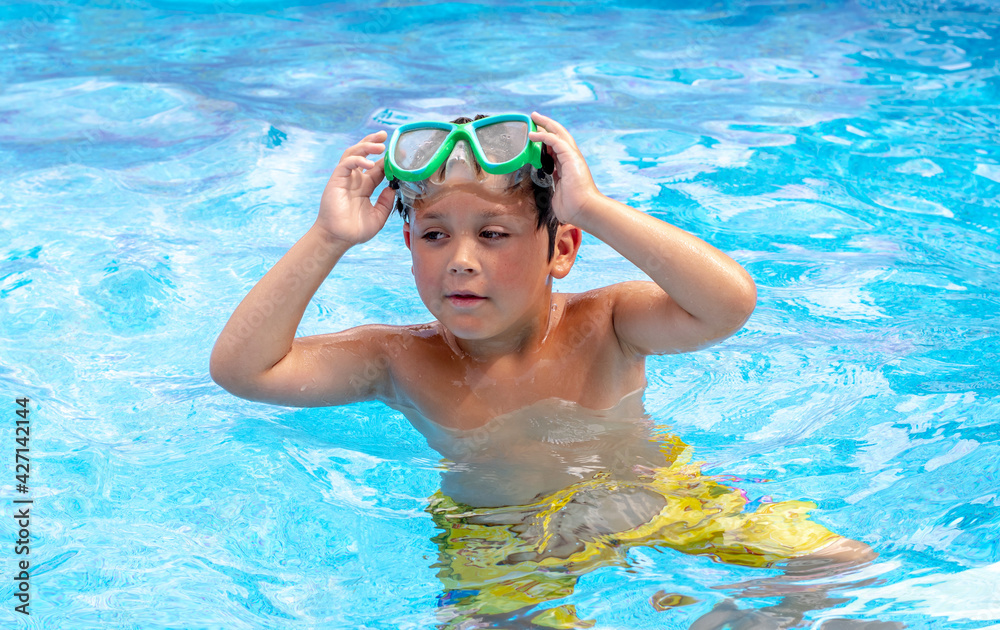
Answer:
(156, 158)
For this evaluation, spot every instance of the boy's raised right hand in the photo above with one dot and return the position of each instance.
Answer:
(346, 212)
(257, 355)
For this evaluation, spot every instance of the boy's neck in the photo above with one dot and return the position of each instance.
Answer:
(516, 342)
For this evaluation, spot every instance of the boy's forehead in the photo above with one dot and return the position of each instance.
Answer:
(460, 203)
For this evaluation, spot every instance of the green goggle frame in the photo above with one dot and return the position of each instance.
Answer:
(509, 162)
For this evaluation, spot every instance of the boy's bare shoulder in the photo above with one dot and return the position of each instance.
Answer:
(602, 309)
(359, 363)
(589, 316)
(608, 294)
(388, 338)
(407, 343)
(602, 300)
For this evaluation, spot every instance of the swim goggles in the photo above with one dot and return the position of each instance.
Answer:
(424, 154)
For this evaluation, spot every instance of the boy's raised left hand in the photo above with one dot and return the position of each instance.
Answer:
(574, 187)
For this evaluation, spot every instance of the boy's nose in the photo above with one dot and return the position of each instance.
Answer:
(463, 259)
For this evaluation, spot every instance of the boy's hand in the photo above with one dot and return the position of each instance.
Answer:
(574, 187)
(346, 212)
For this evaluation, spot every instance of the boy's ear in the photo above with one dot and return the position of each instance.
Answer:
(568, 239)
(406, 233)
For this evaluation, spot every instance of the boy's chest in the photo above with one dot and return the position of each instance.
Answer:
(461, 394)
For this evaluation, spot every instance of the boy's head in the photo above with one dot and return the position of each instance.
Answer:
(481, 261)
(522, 183)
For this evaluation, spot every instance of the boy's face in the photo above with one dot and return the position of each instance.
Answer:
(480, 263)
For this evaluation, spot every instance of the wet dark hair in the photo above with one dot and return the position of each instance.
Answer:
(542, 195)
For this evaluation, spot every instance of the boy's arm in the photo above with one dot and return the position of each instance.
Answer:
(257, 355)
(700, 294)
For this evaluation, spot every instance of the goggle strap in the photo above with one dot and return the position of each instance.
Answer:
(548, 164)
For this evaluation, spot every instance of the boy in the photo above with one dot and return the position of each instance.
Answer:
(533, 396)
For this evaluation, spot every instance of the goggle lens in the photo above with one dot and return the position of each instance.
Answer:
(502, 142)
(414, 149)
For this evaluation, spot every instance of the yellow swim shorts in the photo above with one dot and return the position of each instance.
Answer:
(498, 560)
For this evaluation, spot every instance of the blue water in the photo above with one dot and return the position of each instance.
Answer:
(156, 158)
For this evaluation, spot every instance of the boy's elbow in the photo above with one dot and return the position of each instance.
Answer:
(233, 382)
(223, 371)
(743, 302)
(220, 372)
(747, 299)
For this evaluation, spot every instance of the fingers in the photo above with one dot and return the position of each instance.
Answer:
(372, 144)
(385, 202)
(547, 137)
(365, 149)
(555, 146)
(355, 159)
(375, 173)
(350, 163)
(377, 166)
(552, 126)
(551, 133)
(378, 136)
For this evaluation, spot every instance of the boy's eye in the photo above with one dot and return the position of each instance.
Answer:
(493, 235)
